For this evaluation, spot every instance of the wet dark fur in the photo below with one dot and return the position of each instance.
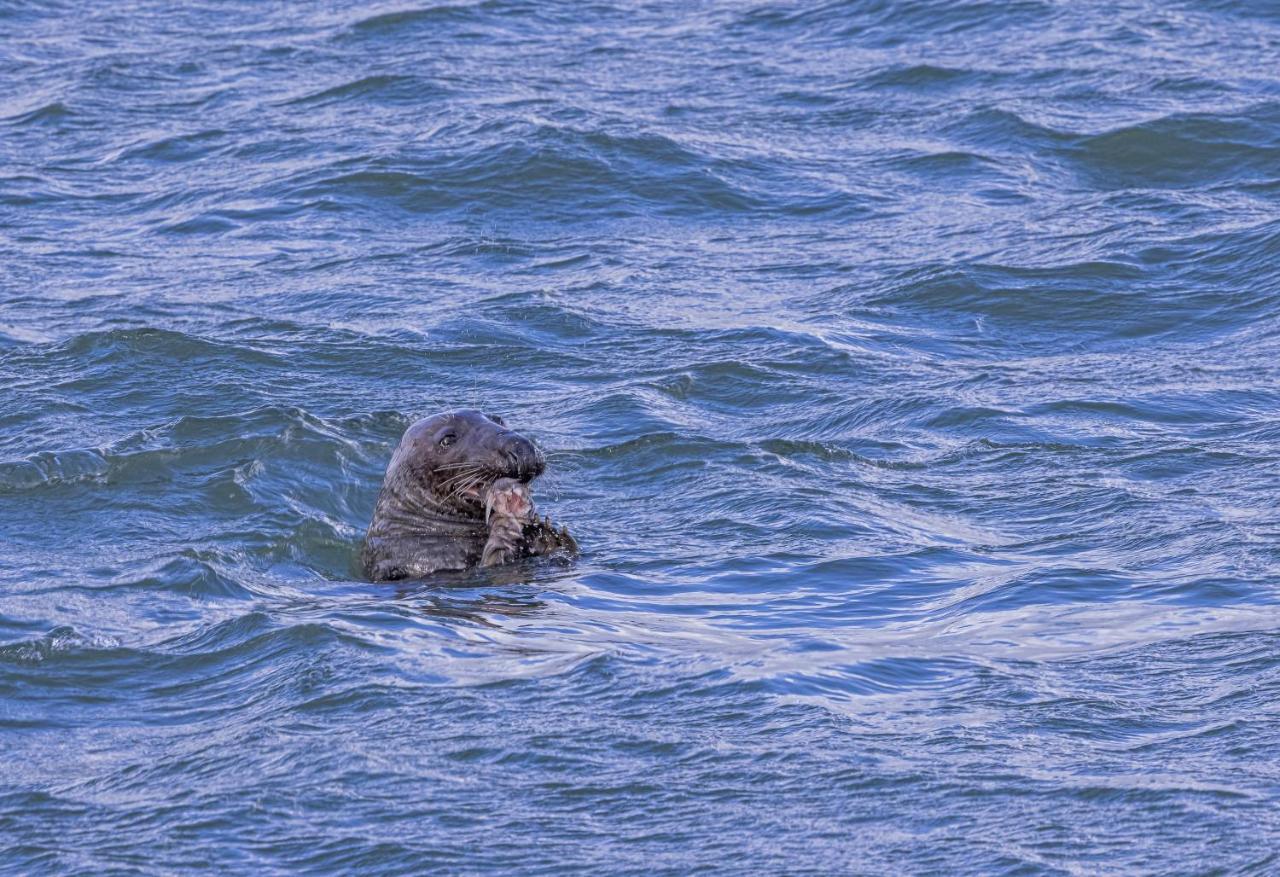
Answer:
(432, 512)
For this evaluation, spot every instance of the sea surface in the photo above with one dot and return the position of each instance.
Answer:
(909, 371)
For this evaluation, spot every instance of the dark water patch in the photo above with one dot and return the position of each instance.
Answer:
(1177, 151)
(921, 76)
(378, 88)
(55, 113)
(188, 573)
(1197, 409)
(550, 170)
(1100, 301)
(1240, 8)
(404, 22)
(1010, 132)
(947, 167)
(181, 148)
(188, 444)
(159, 344)
(892, 24)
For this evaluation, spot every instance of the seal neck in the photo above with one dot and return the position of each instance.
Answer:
(408, 507)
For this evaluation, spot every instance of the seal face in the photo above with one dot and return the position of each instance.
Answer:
(456, 494)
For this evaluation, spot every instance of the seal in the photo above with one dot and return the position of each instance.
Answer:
(456, 494)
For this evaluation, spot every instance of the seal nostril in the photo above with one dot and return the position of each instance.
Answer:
(524, 459)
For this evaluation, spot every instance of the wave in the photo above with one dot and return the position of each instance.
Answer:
(379, 89)
(883, 21)
(401, 21)
(53, 113)
(1111, 298)
(61, 641)
(551, 170)
(1184, 150)
(184, 443)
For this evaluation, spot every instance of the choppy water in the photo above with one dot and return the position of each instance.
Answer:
(908, 371)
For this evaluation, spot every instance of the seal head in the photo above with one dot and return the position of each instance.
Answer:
(456, 494)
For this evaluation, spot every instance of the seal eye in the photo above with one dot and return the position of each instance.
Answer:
(449, 439)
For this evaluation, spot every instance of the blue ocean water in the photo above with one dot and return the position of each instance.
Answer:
(907, 370)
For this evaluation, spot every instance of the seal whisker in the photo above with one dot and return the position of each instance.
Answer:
(476, 481)
(444, 485)
(463, 485)
(461, 467)
(468, 473)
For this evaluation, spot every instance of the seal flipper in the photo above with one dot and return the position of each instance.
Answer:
(542, 537)
(505, 535)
